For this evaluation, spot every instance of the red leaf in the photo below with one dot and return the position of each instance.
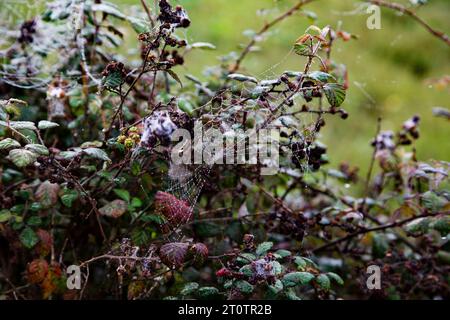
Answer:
(37, 271)
(176, 211)
(173, 254)
(199, 252)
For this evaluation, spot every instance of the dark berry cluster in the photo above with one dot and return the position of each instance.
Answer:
(410, 131)
(27, 29)
(177, 18)
(312, 155)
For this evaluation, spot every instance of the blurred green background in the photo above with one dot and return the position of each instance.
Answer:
(389, 69)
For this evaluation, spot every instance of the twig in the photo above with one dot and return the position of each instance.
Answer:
(398, 7)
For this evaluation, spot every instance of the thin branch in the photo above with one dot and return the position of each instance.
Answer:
(398, 7)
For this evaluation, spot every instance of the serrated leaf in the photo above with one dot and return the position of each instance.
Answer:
(335, 94)
(323, 281)
(189, 288)
(276, 267)
(9, 143)
(19, 125)
(44, 124)
(245, 258)
(247, 270)
(38, 149)
(113, 79)
(297, 278)
(28, 238)
(283, 253)
(263, 248)
(207, 292)
(123, 194)
(173, 254)
(21, 157)
(97, 154)
(277, 287)
(244, 286)
(320, 76)
(335, 277)
(68, 197)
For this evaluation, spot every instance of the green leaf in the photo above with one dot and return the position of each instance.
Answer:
(283, 253)
(113, 79)
(136, 202)
(44, 124)
(109, 9)
(300, 262)
(418, 226)
(5, 215)
(123, 194)
(9, 143)
(207, 292)
(241, 78)
(432, 201)
(335, 94)
(320, 76)
(28, 238)
(38, 149)
(185, 106)
(380, 245)
(34, 221)
(203, 45)
(263, 248)
(21, 157)
(245, 258)
(244, 287)
(335, 277)
(297, 278)
(97, 154)
(19, 125)
(441, 224)
(302, 49)
(291, 295)
(189, 288)
(174, 76)
(138, 25)
(323, 281)
(276, 267)
(67, 155)
(68, 197)
(247, 270)
(277, 287)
